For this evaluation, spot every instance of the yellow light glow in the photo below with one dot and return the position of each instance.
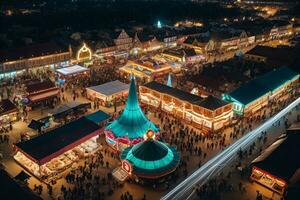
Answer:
(84, 49)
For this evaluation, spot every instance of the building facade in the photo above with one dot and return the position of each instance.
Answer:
(123, 42)
(209, 114)
(274, 86)
(36, 57)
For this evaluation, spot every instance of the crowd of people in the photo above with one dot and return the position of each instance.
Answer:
(93, 179)
(4, 139)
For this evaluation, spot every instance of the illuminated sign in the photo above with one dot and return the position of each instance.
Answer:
(127, 166)
(110, 140)
(149, 135)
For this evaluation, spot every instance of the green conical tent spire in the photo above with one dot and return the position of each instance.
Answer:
(169, 83)
(132, 122)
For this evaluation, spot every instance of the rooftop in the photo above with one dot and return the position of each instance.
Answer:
(10, 189)
(260, 86)
(212, 103)
(72, 70)
(31, 51)
(275, 56)
(181, 52)
(48, 145)
(6, 107)
(197, 39)
(110, 88)
(98, 116)
(279, 159)
(132, 123)
(34, 87)
(182, 95)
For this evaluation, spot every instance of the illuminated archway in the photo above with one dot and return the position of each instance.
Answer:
(84, 53)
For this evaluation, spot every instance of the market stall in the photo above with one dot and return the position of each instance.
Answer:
(69, 110)
(36, 125)
(276, 166)
(99, 117)
(72, 71)
(108, 92)
(145, 69)
(8, 112)
(256, 94)
(52, 152)
(41, 92)
(209, 114)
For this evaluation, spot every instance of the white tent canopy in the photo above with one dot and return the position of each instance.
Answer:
(75, 69)
(107, 91)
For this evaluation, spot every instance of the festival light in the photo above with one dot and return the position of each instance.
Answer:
(84, 50)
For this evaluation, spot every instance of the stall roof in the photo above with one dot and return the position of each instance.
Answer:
(72, 70)
(181, 52)
(68, 107)
(37, 86)
(98, 116)
(43, 95)
(53, 143)
(36, 50)
(22, 176)
(36, 125)
(248, 93)
(275, 56)
(212, 103)
(262, 85)
(110, 88)
(277, 77)
(10, 189)
(6, 107)
(279, 159)
(185, 96)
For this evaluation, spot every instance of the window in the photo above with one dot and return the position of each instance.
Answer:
(237, 107)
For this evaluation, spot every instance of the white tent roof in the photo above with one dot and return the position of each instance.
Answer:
(110, 88)
(72, 70)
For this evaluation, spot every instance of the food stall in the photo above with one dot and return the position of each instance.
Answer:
(146, 69)
(208, 114)
(69, 111)
(41, 92)
(50, 153)
(108, 92)
(72, 71)
(8, 112)
(277, 167)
